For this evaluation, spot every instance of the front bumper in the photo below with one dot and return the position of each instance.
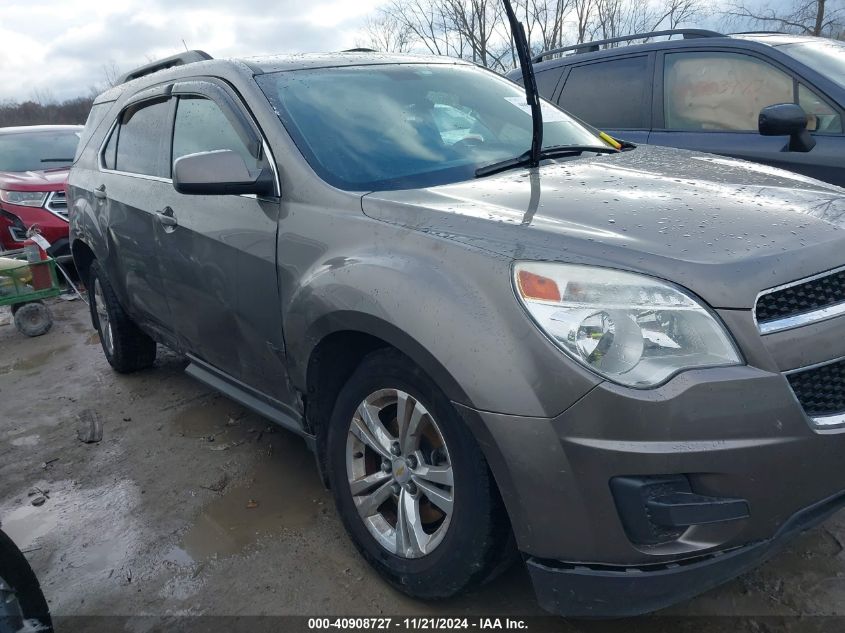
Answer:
(580, 591)
(732, 433)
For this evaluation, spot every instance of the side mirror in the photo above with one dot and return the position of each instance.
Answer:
(787, 119)
(220, 172)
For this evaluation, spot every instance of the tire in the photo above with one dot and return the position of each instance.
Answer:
(436, 562)
(33, 319)
(21, 598)
(126, 347)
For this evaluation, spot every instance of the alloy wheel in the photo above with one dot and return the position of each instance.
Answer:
(400, 473)
(103, 317)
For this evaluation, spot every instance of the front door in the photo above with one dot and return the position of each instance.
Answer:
(219, 259)
(712, 101)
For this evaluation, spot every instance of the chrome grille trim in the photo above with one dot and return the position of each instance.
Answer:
(799, 320)
(57, 204)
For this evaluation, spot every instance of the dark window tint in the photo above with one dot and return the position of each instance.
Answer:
(139, 143)
(110, 151)
(547, 82)
(201, 126)
(608, 94)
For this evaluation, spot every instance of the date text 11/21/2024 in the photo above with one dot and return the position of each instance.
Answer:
(417, 624)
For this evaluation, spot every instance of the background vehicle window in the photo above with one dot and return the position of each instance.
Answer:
(720, 91)
(139, 143)
(31, 151)
(608, 94)
(201, 126)
(821, 118)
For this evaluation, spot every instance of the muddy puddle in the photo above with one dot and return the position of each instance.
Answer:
(283, 492)
(214, 417)
(35, 361)
(97, 520)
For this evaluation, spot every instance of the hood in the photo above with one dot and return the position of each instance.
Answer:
(52, 180)
(725, 229)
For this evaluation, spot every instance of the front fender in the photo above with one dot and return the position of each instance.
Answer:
(449, 308)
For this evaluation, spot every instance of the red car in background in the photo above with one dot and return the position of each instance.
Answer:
(34, 163)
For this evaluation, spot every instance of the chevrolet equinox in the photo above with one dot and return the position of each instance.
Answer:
(625, 365)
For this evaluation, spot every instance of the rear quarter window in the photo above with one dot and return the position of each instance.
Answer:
(609, 94)
(95, 117)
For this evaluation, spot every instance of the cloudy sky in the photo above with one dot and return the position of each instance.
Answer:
(60, 47)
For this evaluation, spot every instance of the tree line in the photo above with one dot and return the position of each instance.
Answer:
(477, 29)
(35, 112)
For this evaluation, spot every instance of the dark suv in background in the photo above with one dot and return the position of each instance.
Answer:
(629, 364)
(705, 92)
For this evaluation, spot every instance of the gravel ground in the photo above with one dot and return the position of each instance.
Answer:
(190, 505)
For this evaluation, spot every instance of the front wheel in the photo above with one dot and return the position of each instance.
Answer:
(126, 347)
(410, 483)
(22, 604)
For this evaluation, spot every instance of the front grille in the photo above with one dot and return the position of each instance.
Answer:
(803, 297)
(57, 204)
(820, 390)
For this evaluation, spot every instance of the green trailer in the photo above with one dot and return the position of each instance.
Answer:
(24, 285)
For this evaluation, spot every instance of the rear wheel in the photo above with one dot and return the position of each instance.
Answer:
(126, 347)
(410, 482)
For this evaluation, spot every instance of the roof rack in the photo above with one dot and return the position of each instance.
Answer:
(360, 50)
(188, 57)
(591, 47)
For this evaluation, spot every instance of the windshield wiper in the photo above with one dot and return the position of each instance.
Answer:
(532, 95)
(555, 151)
(56, 160)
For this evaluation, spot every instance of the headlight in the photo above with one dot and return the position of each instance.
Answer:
(631, 329)
(24, 198)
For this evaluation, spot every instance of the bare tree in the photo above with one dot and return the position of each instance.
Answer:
(807, 17)
(111, 73)
(427, 24)
(383, 32)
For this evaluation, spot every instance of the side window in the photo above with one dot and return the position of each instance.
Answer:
(139, 140)
(821, 118)
(95, 117)
(609, 94)
(720, 91)
(547, 82)
(110, 151)
(201, 126)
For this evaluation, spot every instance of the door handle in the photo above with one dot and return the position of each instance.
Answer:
(166, 219)
(100, 192)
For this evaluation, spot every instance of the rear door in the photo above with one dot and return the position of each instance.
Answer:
(613, 95)
(131, 181)
(710, 101)
(219, 258)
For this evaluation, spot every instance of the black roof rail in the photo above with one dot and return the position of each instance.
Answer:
(361, 49)
(180, 59)
(591, 47)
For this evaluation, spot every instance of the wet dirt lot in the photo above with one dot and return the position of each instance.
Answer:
(192, 505)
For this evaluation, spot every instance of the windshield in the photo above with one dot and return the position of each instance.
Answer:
(405, 126)
(827, 57)
(32, 151)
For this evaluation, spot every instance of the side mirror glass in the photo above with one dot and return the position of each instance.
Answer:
(787, 119)
(219, 172)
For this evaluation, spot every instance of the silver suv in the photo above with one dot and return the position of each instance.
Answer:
(627, 366)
